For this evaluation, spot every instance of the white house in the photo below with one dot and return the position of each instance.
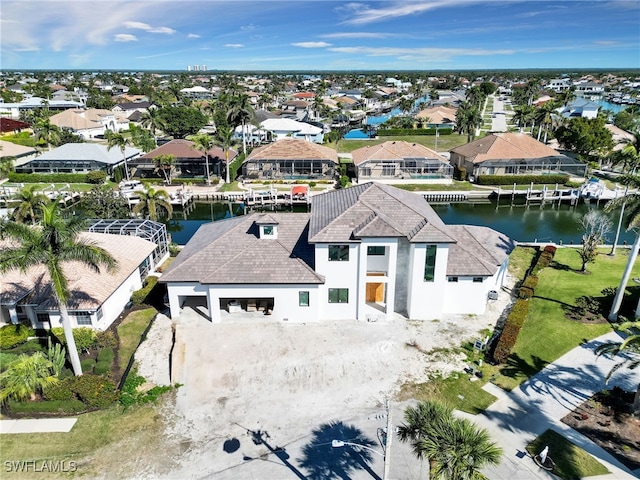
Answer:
(90, 123)
(97, 298)
(366, 252)
(286, 128)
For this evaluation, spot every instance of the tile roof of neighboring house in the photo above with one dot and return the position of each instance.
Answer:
(77, 119)
(10, 125)
(440, 114)
(304, 95)
(262, 115)
(8, 149)
(88, 288)
(505, 146)
(288, 125)
(374, 210)
(293, 149)
(478, 251)
(89, 151)
(231, 252)
(393, 150)
(132, 105)
(185, 149)
(347, 100)
(296, 104)
(620, 137)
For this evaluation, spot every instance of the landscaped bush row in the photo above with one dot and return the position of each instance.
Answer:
(48, 406)
(544, 260)
(399, 132)
(48, 177)
(94, 391)
(521, 179)
(527, 288)
(12, 335)
(139, 296)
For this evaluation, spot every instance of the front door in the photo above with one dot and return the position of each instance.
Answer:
(375, 292)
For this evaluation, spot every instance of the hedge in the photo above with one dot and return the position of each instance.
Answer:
(92, 390)
(48, 406)
(511, 329)
(521, 179)
(528, 287)
(29, 347)
(47, 177)
(12, 335)
(402, 132)
(139, 296)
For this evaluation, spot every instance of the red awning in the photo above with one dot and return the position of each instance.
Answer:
(299, 190)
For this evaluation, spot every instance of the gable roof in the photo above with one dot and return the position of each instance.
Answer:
(393, 150)
(78, 119)
(231, 252)
(89, 151)
(505, 146)
(180, 148)
(10, 125)
(479, 251)
(293, 149)
(439, 114)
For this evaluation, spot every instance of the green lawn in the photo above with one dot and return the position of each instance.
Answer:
(445, 142)
(547, 334)
(130, 333)
(571, 461)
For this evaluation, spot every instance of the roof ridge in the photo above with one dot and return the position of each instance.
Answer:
(471, 251)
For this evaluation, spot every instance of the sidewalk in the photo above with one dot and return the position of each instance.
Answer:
(37, 425)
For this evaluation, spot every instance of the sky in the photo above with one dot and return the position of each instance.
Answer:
(319, 34)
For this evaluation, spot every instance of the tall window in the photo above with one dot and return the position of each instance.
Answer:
(83, 317)
(430, 263)
(303, 299)
(338, 295)
(375, 250)
(338, 253)
(42, 317)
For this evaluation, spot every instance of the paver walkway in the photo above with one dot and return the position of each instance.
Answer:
(37, 425)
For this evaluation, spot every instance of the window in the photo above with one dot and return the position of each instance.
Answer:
(338, 295)
(365, 171)
(478, 279)
(452, 279)
(338, 253)
(375, 250)
(42, 317)
(430, 263)
(267, 230)
(303, 299)
(83, 318)
(388, 170)
(99, 313)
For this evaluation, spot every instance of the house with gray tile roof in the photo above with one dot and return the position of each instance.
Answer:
(367, 252)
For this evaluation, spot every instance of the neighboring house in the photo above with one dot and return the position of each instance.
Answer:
(291, 159)
(90, 123)
(10, 125)
(280, 128)
(621, 138)
(190, 162)
(29, 104)
(19, 153)
(97, 298)
(367, 252)
(128, 108)
(559, 84)
(580, 107)
(79, 158)
(401, 162)
(589, 88)
(440, 116)
(197, 93)
(512, 153)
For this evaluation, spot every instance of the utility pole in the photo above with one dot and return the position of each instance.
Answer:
(387, 444)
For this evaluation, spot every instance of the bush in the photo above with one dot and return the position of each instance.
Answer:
(510, 332)
(528, 287)
(50, 406)
(106, 339)
(460, 173)
(140, 296)
(130, 395)
(96, 177)
(85, 337)
(87, 365)
(62, 390)
(102, 368)
(6, 359)
(106, 355)
(95, 391)
(47, 177)
(312, 184)
(521, 179)
(30, 347)
(12, 335)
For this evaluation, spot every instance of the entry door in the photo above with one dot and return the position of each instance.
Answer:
(375, 292)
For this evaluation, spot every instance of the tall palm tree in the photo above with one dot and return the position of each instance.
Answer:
(223, 137)
(116, 139)
(631, 218)
(52, 244)
(152, 120)
(566, 96)
(630, 344)
(165, 164)
(475, 96)
(240, 113)
(544, 117)
(468, 119)
(151, 200)
(204, 143)
(30, 202)
(46, 132)
(523, 114)
(629, 156)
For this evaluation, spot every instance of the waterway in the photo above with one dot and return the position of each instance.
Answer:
(551, 223)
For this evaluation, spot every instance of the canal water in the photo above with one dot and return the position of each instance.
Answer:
(551, 223)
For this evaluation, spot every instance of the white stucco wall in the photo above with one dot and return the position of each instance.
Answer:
(426, 299)
(338, 275)
(378, 263)
(465, 297)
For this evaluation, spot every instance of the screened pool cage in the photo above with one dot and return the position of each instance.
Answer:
(406, 168)
(534, 166)
(289, 169)
(153, 231)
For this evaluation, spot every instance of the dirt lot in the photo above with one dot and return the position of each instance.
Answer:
(285, 378)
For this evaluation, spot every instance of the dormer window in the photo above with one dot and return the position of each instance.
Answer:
(267, 227)
(267, 230)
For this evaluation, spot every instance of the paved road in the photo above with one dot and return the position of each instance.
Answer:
(499, 119)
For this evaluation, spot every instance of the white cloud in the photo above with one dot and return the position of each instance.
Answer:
(234, 45)
(124, 37)
(361, 13)
(359, 35)
(311, 44)
(426, 53)
(148, 28)
(248, 28)
(193, 35)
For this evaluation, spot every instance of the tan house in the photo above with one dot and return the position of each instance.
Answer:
(512, 153)
(90, 123)
(401, 162)
(444, 117)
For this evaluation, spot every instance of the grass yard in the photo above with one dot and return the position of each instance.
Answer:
(130, 333)
(520, 260)
(456, 186)
(445, 142)
(571, 461)
(548, 334)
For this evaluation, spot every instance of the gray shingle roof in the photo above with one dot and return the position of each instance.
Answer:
(479, 251)
(230, 252)
(88, 151)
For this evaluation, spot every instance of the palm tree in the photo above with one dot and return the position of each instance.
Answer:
(6, 166)
(567, 96)
(629, 156)
(475, 96)
(165, 164)
(544, 117)
(204, 143)
(468, 119)
(30, 201)
(630, 344)
(224, 138)
(631, 217)
(26, 376)
(46, 132)
(523, 114)
(240, 113)
(116, 139)
(152, 120)
(52, 244)
(151, 200)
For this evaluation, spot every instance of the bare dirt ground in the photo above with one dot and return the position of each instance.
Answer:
(282, 378)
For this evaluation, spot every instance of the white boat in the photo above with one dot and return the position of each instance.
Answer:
(596, 189)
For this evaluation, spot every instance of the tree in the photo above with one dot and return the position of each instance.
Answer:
(151, 200)
(204, 143)
(566, 96)
(223, 137)
(54, 243)
(141, 138)
(152, 120)
(544, 116)
(629, 157)
(523, 115)
(116, 139)
(631, 220)
(26, 376)
(455, 447)
(102, 202)
(165, 164)
(180, 122)
(595, 226)
(468, 119)
(30, 202)
(627, 120)
(240, 113)
(586, 136)
(630, 344)
(46, 132)
(6, 166)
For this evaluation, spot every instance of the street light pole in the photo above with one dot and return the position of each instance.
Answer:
(340, 443)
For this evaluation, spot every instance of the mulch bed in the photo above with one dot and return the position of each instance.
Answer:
(605, 419)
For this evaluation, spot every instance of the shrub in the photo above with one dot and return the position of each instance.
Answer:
(460, 173)
(312, 184)
(106, 355)
(62, 390)
(102, 368)
(130, 395)
(510, 332)
(96, 177)
(87, 365)
(85, 337)
(106, 339)
(12, 335)
(30, 347)
(47, 177)
(520, 179)
(139, 296)
(551, 249)
(95, 391)
(51, 406)
(6, 359)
